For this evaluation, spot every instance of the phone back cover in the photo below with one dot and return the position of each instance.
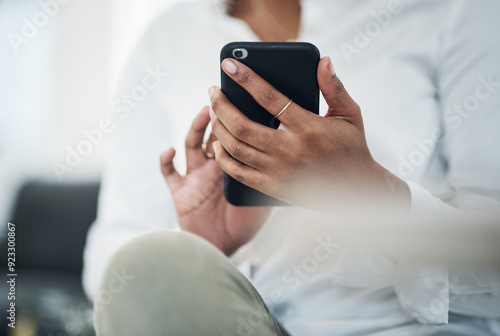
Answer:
(292, 69)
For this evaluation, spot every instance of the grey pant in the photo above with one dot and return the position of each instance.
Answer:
(176, 283)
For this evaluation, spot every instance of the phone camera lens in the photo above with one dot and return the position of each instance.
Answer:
(240, 53)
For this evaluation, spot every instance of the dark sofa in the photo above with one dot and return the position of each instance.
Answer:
(51, 225)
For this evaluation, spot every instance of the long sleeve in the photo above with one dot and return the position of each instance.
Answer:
(134, 197)
(469, 91)
(164, 87)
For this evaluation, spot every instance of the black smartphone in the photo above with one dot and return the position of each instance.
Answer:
(291, 67)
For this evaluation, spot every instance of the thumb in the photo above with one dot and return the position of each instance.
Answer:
(340, 103)
(173, 178)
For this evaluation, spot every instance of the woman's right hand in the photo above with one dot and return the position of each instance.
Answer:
(199, 196)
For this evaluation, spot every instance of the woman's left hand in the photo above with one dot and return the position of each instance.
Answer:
(309, 161)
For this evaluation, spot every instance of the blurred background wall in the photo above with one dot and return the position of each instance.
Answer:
(59, 63)
(57, 73)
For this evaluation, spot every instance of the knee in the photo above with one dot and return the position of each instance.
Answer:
(158, 251)
(151, 250)
(161, 255)
(157, 270)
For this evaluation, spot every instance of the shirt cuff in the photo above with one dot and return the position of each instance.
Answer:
(423, 202)
(423, 291)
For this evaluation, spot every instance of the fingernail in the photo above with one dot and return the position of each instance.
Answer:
(165, 155)
(215, 146)
(229, 66)
(211, 91)
(211, 113)
(330, 66)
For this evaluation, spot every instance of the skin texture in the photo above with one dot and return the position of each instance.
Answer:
(310, 161)
(199, 196)
(277, 20)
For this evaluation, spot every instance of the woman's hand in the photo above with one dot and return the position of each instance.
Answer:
(199, 196)
(309, 161)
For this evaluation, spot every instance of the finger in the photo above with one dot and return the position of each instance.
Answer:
(340, 103)
(209, 149)
(238, 149)
(237, 170)
(238, 124)
(173, 178)
(195, 157)
(263, 92)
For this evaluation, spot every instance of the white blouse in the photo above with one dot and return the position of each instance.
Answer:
(426, 74)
